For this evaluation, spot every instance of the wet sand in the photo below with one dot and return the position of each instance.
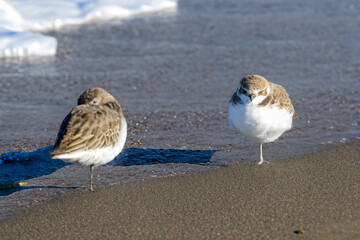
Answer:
(317, 193)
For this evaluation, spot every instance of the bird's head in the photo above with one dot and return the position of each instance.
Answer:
(253, 89)
(95, 96)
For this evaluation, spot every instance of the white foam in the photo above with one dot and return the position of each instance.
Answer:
(19, 20)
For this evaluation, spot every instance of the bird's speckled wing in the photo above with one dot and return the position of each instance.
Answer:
(87, 127)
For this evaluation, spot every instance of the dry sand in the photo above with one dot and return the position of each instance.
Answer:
(317, 193)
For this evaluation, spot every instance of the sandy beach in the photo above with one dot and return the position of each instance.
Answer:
(317, 193)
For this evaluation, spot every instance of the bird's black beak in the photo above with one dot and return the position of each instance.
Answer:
(252, 96)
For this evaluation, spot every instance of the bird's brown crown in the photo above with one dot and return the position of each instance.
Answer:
(254, 82)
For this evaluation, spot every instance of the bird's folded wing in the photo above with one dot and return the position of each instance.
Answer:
(281, 98)
(87, 128)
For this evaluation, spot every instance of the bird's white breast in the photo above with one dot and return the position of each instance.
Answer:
(99, 156)
(260, 123)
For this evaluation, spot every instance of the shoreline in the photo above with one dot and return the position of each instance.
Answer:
(316, 193)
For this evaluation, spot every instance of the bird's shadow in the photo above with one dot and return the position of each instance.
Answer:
(20, 166)
(139, 156)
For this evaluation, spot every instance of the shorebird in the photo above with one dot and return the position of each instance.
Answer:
(260, 110)
(93, 133)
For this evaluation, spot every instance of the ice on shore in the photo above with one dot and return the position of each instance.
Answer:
(21, 22)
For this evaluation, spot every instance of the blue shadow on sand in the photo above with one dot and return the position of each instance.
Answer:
(138, 156)
(17, 167)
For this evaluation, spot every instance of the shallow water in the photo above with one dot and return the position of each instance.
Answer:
(174, 74)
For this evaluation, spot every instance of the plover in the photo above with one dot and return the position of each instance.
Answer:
(260, 110)
(93, 133)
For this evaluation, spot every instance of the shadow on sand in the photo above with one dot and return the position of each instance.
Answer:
(22, 166)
